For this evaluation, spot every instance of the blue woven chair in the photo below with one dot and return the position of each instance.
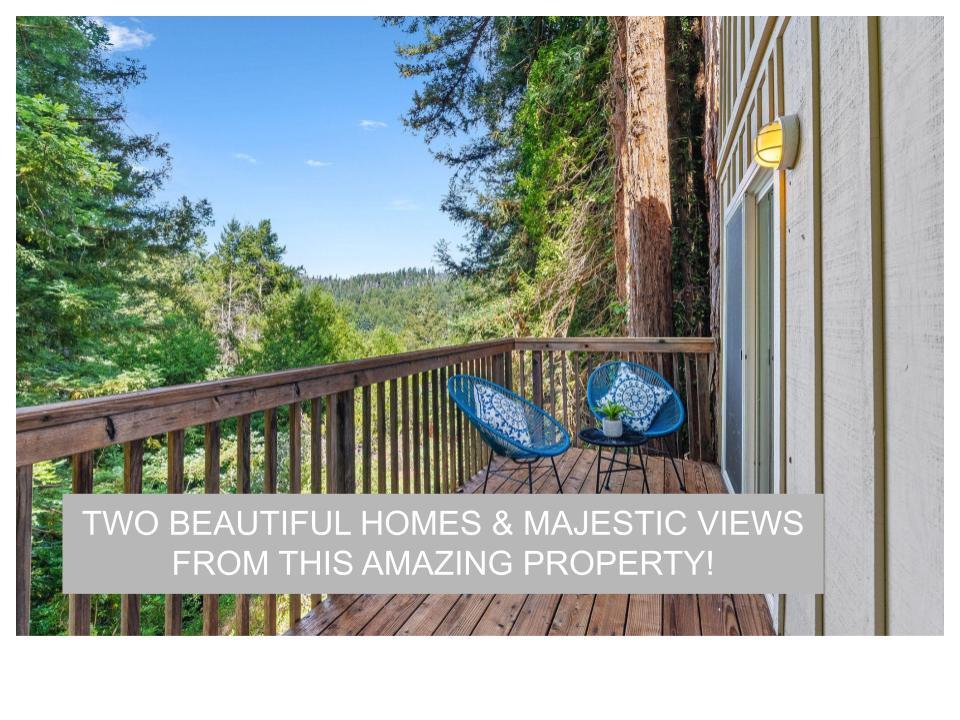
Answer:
(547, 437)
(668, 420)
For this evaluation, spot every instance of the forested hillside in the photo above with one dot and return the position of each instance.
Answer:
(411, 308)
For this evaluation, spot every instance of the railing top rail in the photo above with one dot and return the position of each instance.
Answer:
(64, 428)
(620, 344)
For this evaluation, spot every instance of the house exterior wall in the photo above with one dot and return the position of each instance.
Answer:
(860, 367)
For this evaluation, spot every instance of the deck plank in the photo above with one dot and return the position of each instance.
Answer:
(500, 615)
(361, 612)
(717, 615)
(572, 615)
(681, 615)
(393, 615)
(465, 614)
(644, 615)
(536, 615)
(320, 617)
(428, 616)
(609, 616)
(753, 614)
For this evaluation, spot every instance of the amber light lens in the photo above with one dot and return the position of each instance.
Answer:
(768, 145)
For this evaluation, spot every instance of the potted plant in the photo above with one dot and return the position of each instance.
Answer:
(613, 413)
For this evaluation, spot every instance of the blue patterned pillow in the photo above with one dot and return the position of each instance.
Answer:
(502, 413)
(643, 400)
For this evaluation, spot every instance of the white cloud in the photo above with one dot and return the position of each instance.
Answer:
(319, 163)
(372, 124)
(126, 38)
(402, 205)
(246, 158)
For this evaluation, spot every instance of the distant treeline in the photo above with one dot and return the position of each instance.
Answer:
(419, 306)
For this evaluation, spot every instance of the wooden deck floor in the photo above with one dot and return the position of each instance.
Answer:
(474, 614)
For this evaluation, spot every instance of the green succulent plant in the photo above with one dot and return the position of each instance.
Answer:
(613, 410)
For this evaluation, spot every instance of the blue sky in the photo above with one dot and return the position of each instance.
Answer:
(296, 120)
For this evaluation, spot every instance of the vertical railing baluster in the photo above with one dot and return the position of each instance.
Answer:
(405, 431)
(553, 382)
(243, 488)
(381, 438)
(451, 432)
(435, 427)
(366, 438)
(458, 417)
(425, 407)
(523, 373)
(211, 486)
(132, 484)
(577, 404)
(173, 603)
(563, 387)
(415, 435)
(316, 464)
(394, 449)
(536, 367)
(24, 545)
(295, 487)
(270, 488)
(78, 622)
(441, 427)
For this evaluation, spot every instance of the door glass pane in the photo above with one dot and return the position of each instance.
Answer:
(733, 349)
(765, 343)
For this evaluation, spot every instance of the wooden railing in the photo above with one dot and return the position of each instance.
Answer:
(411, 439)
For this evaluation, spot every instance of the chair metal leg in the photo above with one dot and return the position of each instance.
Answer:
(599, 460)
(559, 484)
(676, 445)
(643, 467)
(487, 476)
(530, 476)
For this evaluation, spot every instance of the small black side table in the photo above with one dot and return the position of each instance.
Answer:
(629, 440)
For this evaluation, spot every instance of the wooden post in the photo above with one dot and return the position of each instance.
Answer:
(211, 486)
(342, 443)
(294, 425)
(132, 484)
(243, 487)
(269, 488)
(173, 604)
(78, 622)
(24, 546)
(536, 369)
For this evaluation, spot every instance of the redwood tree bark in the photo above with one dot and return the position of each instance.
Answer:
(639, 125)
(711, 139)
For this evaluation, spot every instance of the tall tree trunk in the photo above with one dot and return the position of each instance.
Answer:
(642, 243)
(711, 140)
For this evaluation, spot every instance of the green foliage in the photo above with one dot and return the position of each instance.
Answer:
(412, 308)
(613, 410)
(87, 222)
(533, 179)
(300, 328)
